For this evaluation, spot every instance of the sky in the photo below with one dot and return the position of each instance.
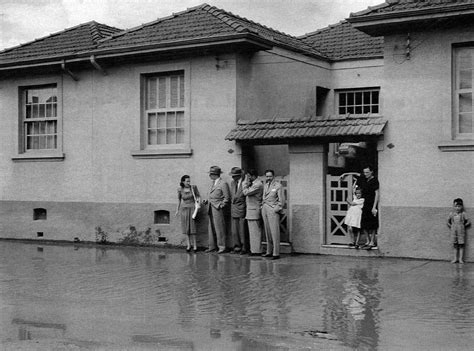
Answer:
(22, 21)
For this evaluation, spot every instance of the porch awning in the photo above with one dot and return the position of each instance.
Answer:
(280, 130)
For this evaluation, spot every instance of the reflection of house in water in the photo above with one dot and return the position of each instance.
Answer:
(31, 330)
(164, 342)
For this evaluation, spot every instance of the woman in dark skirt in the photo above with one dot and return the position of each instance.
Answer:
(370, 218)
(188, 200)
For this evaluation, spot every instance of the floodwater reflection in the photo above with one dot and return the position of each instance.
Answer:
(131, 298)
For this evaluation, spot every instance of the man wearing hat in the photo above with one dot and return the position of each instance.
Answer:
(237, 212)
(219, 197)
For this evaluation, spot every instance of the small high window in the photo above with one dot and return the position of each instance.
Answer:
(358, 102)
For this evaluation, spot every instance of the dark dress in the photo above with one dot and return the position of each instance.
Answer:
(368, 220)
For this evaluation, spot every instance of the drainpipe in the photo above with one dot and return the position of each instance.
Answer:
(67, 71)
(97, 66)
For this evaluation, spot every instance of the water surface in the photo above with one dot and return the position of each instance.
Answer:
(86, 298)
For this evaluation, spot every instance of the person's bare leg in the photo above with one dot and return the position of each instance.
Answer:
(455, 258)
(461, 255)
(351, 234)
(372, 237)
(357, 238)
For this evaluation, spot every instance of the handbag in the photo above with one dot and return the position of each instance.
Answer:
(197, 204)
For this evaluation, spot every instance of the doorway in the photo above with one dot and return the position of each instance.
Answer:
(348, 157)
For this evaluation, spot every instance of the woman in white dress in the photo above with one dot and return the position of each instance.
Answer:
(354, 215)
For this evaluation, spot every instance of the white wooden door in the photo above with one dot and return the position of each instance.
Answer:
(337, 192)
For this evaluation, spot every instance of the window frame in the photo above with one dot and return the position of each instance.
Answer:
(455, 123)
(337, 104)
(54, 154)
(165, 150)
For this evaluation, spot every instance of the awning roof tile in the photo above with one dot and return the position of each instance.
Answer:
(264, 130)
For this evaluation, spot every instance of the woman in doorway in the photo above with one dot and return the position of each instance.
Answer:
(370, 218)
(188, 201)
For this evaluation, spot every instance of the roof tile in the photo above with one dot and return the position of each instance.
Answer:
(342, 41)
(67, 42)
(299, 129)
(202, 21)
(400, 6)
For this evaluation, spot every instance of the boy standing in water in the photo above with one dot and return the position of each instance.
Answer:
(458, 222)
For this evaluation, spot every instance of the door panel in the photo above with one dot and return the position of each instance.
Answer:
(337, 192)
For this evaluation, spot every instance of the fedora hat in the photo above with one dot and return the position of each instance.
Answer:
(235, 171)
(215, 170)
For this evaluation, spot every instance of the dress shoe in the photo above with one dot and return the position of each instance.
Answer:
(253, 254)
(267, 255)
(221, 251)
(275, 258)
(210, 250)
(195, 250)
(188, 249)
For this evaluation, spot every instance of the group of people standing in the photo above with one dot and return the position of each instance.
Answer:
(250, 201)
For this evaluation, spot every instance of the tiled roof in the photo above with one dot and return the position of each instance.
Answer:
(409, 6)
(266, 130)
(200, 22)
(69, 41)
(342, 41)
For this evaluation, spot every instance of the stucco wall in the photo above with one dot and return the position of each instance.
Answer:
(306, 197)
(356, 74)
(277, 84)
(418, 180)
(101, 128)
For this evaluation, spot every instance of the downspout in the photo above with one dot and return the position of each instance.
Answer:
(97, 66)
(67, 71)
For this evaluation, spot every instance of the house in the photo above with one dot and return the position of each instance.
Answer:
(100, 123)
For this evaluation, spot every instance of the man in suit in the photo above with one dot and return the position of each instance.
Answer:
(219, 197)
(237, 212)
(253, 191)
(272, 204)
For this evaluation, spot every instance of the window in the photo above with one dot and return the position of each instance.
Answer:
(358, 102)
(165, 109)
(39, 123)
(165, 115)
(463, 125)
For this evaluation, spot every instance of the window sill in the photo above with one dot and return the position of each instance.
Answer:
(49, 157)
(457, 145)
(165, 153)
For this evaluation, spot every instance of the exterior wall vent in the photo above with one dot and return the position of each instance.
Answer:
(162, 217)
(39, 214)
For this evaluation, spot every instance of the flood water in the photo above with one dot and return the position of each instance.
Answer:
(61, 297)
